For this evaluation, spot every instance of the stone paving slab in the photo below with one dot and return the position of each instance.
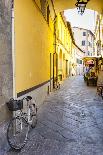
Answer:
(70, 122)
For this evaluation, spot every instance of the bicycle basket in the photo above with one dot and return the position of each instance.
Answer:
(14, 105)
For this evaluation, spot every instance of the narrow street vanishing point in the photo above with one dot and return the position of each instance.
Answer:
(70, 122)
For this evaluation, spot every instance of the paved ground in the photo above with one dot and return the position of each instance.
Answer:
(70, 122)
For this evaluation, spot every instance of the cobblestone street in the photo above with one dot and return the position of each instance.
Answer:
(70, 122)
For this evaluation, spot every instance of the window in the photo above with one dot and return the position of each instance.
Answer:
(48, 13)
(83, 43)
(43, 7)
(88, 53)
(79, 61)
(12, 4)
(61, 30)
(91, 38)
(84, 33)
(89, 44)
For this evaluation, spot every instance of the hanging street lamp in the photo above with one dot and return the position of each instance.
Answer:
(81, 5)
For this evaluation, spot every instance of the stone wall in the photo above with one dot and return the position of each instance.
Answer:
(6, 71)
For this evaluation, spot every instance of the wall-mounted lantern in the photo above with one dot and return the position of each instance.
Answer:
(81, 5)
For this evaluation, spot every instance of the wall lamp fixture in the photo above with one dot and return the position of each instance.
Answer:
(81, 5)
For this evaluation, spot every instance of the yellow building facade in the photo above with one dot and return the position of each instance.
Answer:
(33, 45)
(43, 45)
(64, 39)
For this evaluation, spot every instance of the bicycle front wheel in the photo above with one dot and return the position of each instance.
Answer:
(33, 115)
(34, 121)
(17, 133)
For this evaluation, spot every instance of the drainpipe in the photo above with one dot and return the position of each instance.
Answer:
(13, 50)
(13, 53)
(55, 54)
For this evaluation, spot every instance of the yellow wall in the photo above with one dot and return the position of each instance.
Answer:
(33, 44)
(64, 42)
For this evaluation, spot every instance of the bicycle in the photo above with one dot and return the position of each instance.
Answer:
(19, 126)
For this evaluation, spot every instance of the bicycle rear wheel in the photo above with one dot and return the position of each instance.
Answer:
(17, 133)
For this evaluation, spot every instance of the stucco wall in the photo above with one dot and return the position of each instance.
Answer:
(6, 75)
(33, 45)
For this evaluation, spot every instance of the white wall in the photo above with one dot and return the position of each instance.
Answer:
(78, 35)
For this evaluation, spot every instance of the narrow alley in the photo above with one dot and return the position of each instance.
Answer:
(70, 122)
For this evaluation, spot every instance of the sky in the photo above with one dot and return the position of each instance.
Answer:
(87, 20)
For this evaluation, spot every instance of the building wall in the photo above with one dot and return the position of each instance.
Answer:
(88, 38)
(73, 61)
(90, 43)
(79, 61)
(33, 45)
(64, 47)
(78, 35)
(99, 35)
(6, 71)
